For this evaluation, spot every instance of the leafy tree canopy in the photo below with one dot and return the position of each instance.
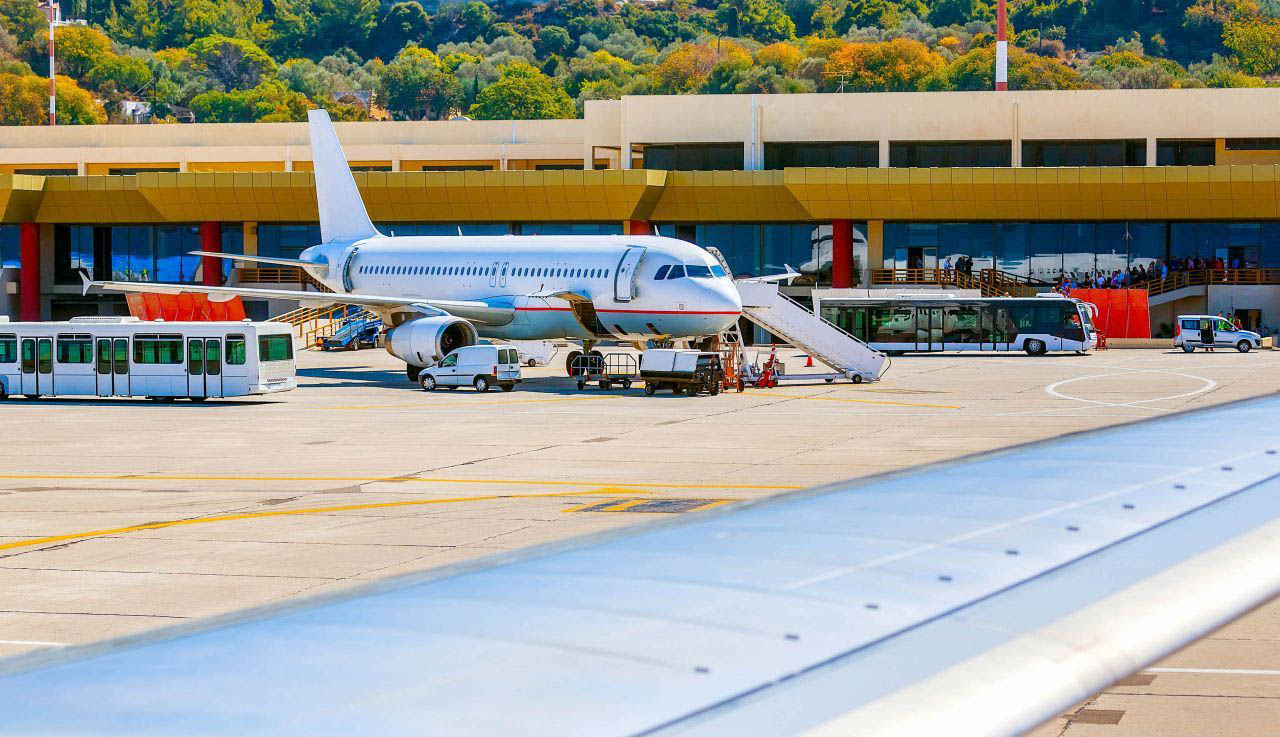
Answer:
(522, 92)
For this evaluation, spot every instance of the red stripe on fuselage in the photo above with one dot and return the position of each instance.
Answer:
(632, 312)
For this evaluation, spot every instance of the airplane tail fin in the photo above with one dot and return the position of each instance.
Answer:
(342, 213)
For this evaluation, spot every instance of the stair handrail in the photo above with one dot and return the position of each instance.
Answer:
(828, 322)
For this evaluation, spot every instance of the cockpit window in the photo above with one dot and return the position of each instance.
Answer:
(698, 271)
(662, 273)
(676, 272)
(718, 270)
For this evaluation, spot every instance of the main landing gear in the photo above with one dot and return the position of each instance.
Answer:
(571, 364)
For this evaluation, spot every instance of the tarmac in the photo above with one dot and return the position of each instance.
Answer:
(120, 516)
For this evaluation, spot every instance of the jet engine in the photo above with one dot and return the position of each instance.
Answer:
(425, 340)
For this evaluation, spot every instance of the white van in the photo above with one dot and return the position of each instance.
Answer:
(481, 366)
(1210, 331)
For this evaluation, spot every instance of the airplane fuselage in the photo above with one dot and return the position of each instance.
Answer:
(581, 287)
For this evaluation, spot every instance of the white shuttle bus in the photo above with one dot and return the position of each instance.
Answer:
(126, 357)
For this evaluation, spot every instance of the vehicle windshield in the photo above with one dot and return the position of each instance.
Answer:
(718, 270)
(698, 271)
(676, 272)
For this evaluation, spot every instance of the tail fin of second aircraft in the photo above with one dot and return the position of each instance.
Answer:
(342, 213)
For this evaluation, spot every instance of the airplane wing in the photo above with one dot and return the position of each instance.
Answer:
(297, 262)
(973, 598)
(481, 312)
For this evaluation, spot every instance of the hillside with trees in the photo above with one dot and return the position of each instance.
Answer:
(272, 60)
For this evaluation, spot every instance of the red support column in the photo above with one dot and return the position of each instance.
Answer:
(211, 240)
(29, 276)
(842, 254)
(639, 227)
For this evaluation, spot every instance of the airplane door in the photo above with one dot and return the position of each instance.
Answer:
(502, 275)
(493, 275)
(624, 278)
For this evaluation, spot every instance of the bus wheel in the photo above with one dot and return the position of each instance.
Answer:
(1188, 348)
(1035, 347)
(1243, 346)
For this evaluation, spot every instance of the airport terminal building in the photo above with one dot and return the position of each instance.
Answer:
(1029, 185)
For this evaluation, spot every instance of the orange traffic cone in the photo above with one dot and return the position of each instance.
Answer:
(808, 363)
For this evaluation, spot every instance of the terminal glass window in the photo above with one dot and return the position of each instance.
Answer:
(10, 249)
(157, 349)
(236, 350)
(755, 249)
(8, 349)
(275, 347)
(1184, 153)
(287, 240)
(1084, 153)
(73, 252)
(934, 154)
(1253, 144)
(823, 153)
(694, 156)
(612, 228)
(75, 349)
(402, 229)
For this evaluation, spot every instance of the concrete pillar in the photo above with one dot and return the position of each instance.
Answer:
(841, 254)
(637, 227)
(211, 240)
(1152, 147)
(29, 276)
(875, 247)
(884, 153)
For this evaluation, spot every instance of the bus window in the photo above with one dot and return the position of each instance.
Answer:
(1023, 318)
(893, 325)
(1048, 319)
(195, 357)
(8, 349)
(275, 347)
(157, 349)
(104, 356)
(213, 357)
(122, 355)
(960, 325)
(235, 350)
(75, 349)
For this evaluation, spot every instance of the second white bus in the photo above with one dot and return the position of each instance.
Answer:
(126, 357)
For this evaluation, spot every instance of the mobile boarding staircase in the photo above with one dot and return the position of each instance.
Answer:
(767, 307)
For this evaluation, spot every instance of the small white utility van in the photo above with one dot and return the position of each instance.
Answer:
(481, 366)
(1209, 331)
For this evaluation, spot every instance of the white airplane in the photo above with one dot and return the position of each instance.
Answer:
(440, 293)
(974, 598)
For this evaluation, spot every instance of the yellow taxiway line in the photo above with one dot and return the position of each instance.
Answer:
(415, 405)
(858, 401)
(306, 510)
(377, 479)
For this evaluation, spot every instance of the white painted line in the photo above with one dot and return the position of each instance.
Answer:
(1223, 671)
(1209, 385)
(37, 643)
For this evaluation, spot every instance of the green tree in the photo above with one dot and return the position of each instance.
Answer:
(269, 102)
(476, 19)
(553, 40)
(404, 23)
(80, 48)
(187, 20)
(522, 93)
(976, 71)
(316, 28)
(118, 73)
(952, 12)
(1255, 44)
(75, 105)
(19, 104)
(135, 22)
(235, 62)
(595, 67)
(762, 20)
(416, 85)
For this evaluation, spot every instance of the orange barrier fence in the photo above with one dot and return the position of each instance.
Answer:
(183, 307)
(1122, 313)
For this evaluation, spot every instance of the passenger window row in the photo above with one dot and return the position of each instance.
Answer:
(487, 271)
(696, 271)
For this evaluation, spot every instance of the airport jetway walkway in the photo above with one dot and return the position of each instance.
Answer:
(764, 305)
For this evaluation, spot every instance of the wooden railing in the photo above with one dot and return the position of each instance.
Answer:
(278, 275)
(991, 282)
(1205, 277)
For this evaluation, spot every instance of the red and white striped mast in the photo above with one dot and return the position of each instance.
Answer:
(52, 11)
(1002, 47)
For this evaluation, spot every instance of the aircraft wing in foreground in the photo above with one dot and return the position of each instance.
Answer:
(977, 597)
